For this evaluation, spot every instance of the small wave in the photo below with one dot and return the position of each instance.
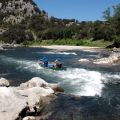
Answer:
(21, 64)
(111, 78)
(61, 53)
(79, 81)
(84, 82)
(74, 80)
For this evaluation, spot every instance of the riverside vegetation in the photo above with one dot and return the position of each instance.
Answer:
(25, 23)
(75, 42)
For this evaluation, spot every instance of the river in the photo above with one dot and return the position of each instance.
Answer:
(21, 64)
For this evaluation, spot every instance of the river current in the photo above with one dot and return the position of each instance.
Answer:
(21, 64)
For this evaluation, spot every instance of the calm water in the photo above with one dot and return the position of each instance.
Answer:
(20, 64)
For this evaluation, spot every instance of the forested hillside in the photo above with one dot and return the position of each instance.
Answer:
(22, 21)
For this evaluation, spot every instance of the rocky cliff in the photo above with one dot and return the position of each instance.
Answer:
(14, 11)
(20, 20)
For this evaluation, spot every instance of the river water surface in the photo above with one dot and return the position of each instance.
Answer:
(21, 64)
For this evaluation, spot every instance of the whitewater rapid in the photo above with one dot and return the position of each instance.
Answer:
(77, 81)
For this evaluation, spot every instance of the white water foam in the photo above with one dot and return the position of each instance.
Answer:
(79, 81)
(112, 78)
(84, 82)
(58, 52)
(21, 64)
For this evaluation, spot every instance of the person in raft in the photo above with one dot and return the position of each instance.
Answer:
(45, 61)
(58, 63)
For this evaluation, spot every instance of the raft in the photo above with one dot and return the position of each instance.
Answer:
(50, 66)
(53, 68)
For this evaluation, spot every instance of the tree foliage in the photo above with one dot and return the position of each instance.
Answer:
(45, 28)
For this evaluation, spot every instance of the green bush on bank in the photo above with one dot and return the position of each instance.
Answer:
(82, 42)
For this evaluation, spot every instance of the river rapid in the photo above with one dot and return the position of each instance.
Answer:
(21, 64)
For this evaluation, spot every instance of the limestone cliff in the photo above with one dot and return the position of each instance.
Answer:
(14, 11)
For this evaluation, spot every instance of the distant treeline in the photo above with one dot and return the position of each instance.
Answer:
(40, 27)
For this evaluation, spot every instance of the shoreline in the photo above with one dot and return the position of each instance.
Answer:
(68, 47)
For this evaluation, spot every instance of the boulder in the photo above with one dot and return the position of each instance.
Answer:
(4, 82)
(38, 82)
(13, 99)
(11, 103)
(34, 94)
(34, 82)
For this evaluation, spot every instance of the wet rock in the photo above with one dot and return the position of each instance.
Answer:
(4, 82)
(56, 88)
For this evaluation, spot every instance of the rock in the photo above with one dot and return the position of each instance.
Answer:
(4, 82)
(38, 82)
(116, 49)
(112, 59)
(18, 10)
(13, 99)
(34, 94)
(34, 82)
(11, 103)
(29, 118)
(84, 60)
(56, 88)
(1, 48)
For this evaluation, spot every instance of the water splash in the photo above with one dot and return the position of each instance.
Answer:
(74, 80)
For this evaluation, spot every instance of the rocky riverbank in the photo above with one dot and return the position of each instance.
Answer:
(39, 100)
(15, 101)
(112, 59)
